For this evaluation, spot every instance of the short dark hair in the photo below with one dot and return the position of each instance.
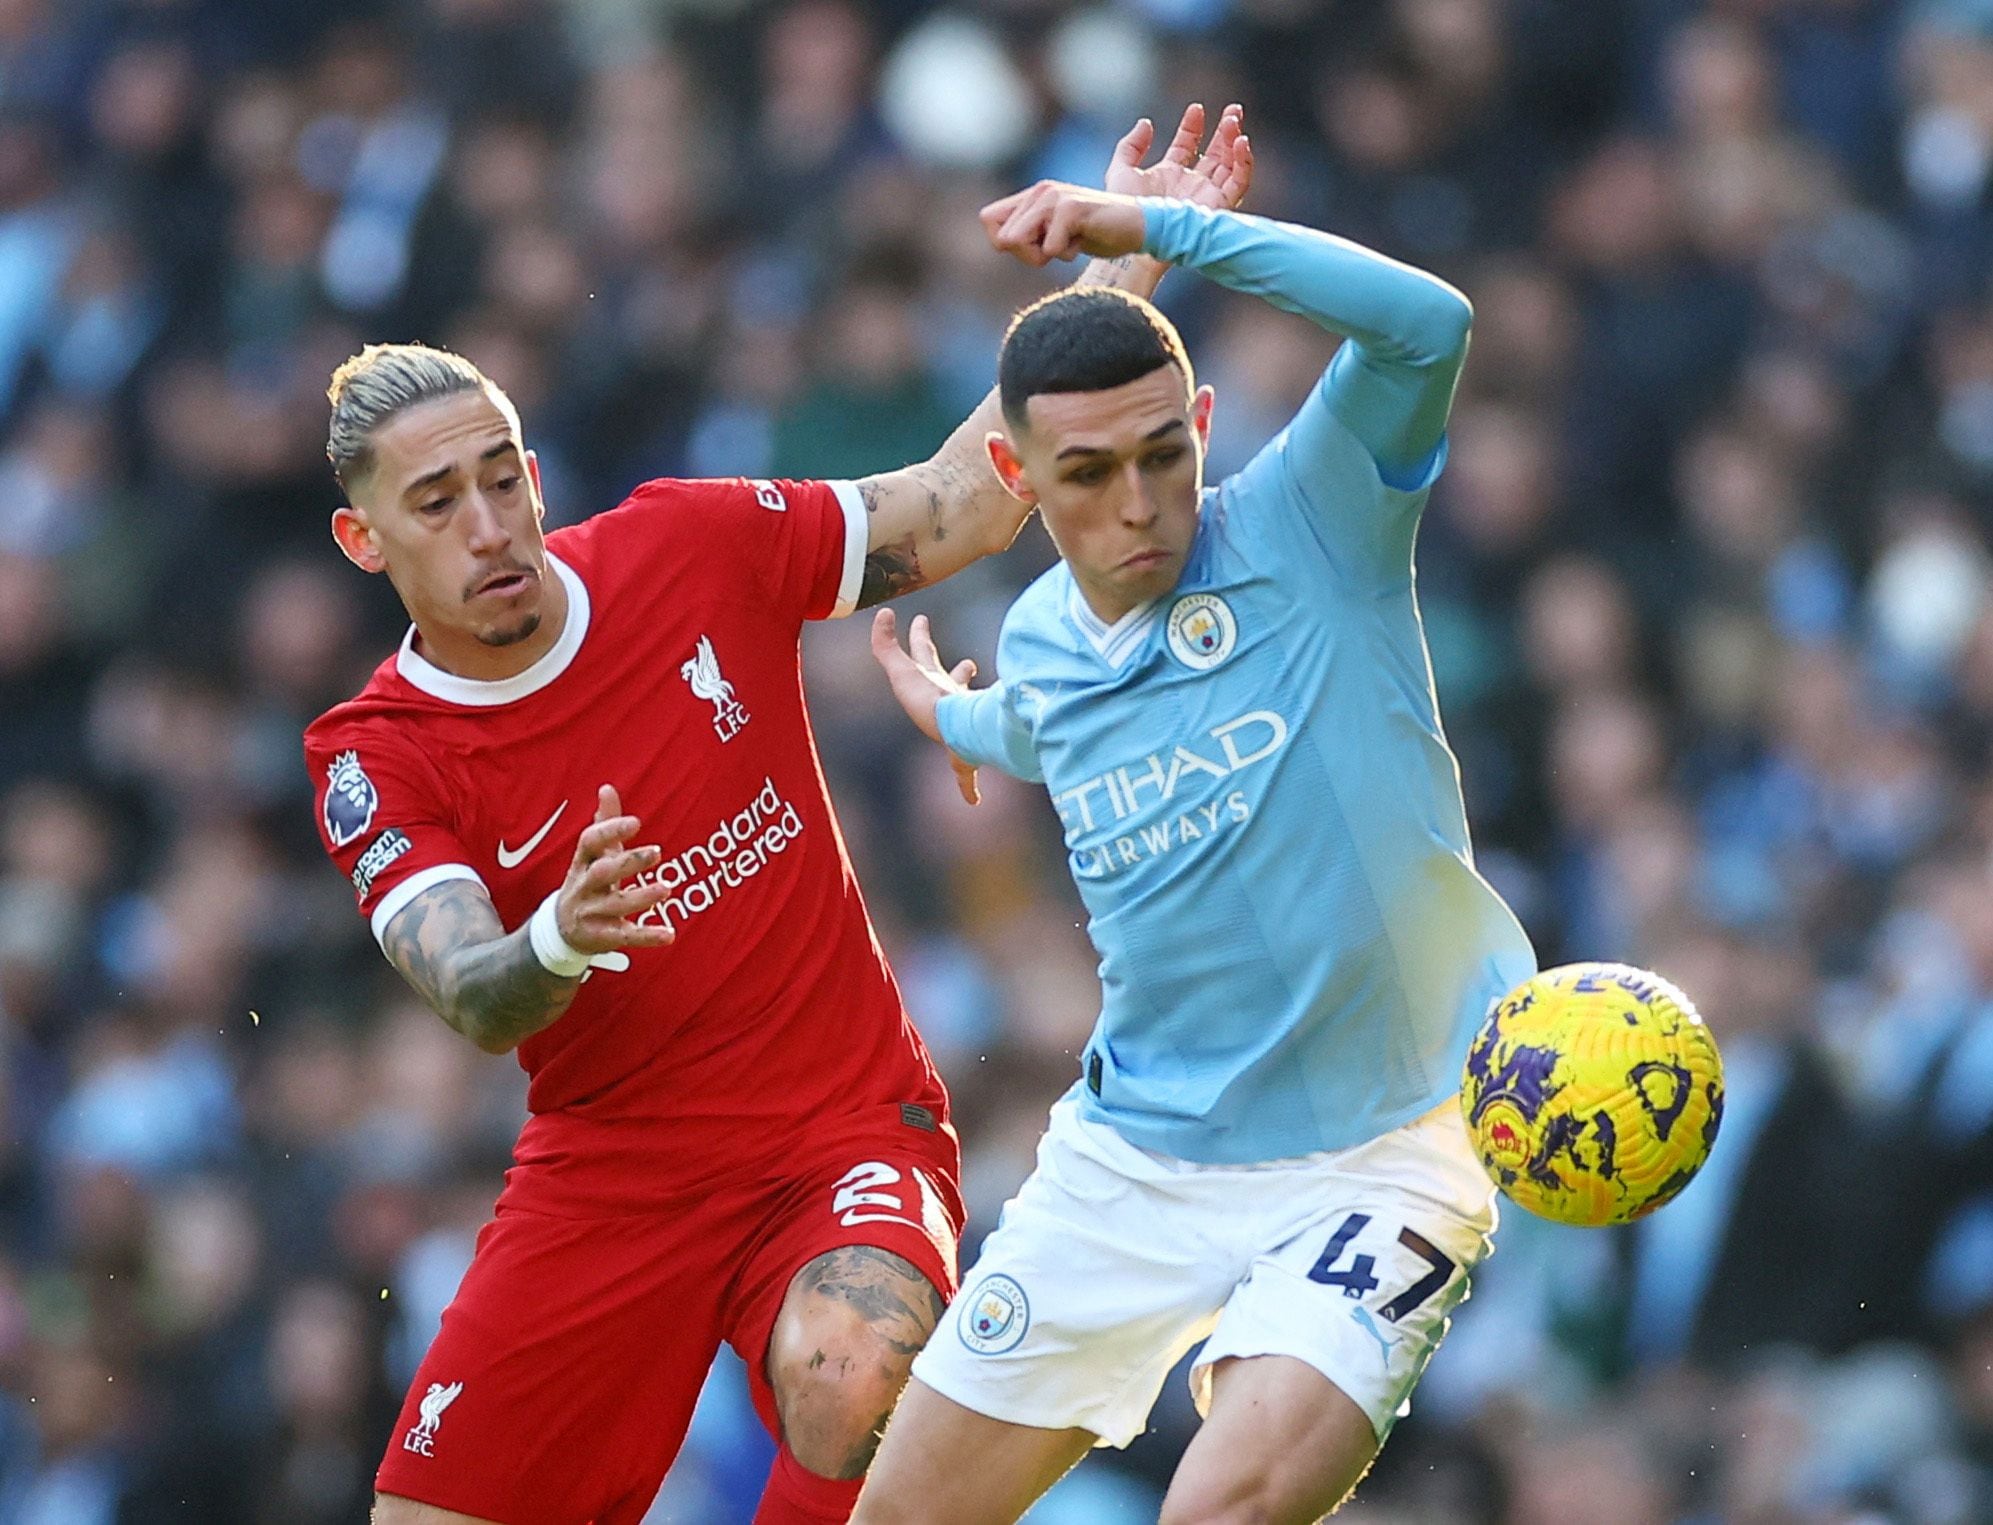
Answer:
(1083, 339)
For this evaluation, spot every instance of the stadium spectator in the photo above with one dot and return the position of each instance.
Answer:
(1705, 582)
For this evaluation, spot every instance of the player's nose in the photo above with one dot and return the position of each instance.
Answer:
(1138, 507)
(486, 526)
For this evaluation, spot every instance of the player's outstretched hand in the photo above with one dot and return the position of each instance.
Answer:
(919, 680)
(1219, 177)
(1054, 220)
(595, 909)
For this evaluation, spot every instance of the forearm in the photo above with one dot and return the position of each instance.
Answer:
(933, 518)
(1408, 330)
(484, 981)
(501, 994)
(1137, 274)
(1394, 311)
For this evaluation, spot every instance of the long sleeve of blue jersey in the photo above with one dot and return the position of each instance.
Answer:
(984, 728)
(1391, 385)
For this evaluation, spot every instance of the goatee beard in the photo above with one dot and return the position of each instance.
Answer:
(514, 636)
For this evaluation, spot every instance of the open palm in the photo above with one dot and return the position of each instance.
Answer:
(1219, 177)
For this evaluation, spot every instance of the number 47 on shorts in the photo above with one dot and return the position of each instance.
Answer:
(1360, 1275)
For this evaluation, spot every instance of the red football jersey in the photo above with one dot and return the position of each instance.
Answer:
(678, 680)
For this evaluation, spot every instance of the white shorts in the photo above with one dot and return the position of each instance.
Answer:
(1112, 1261)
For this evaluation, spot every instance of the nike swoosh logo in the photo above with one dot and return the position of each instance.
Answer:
(508, 858)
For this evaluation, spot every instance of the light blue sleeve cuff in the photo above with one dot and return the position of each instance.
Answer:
(981, 729)
(955, 714)
(1168, 227)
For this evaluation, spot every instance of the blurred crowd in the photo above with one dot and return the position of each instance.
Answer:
(1706, 583)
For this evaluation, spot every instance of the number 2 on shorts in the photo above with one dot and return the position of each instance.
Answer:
(1360, 1276)
(859, 1188)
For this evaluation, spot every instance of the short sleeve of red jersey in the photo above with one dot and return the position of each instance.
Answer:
(383, 815)
(803, 543)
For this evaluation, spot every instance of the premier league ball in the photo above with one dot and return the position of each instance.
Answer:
(1593, 1093)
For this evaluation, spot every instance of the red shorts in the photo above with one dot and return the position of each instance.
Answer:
(562, 1381)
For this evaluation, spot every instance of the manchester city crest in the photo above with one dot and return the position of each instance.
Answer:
(994, 1316)
(350, 800)
(1202, 631)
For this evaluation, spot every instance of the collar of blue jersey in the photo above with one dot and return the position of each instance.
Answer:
(432, 680)
(1119, 641)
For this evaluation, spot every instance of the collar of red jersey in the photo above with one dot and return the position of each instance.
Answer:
(432, 680)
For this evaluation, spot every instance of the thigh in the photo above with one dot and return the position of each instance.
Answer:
(1282, 1444)
(857, 1258)
(1097, 1280)
(565, 1372)
(849, 1328)
(1362, 1290)
(941, 1461)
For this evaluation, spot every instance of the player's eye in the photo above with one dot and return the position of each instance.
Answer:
(506, 484)
(437, 505)
(1088, 476)
(1169, 455)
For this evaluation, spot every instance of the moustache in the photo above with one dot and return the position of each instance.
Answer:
(486, 578)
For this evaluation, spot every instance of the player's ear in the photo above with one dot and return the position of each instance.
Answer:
(1009, 469)
(356, 539)
(1200, 413)
(539, 493)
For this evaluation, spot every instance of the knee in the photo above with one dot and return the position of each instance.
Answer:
(836, 1379)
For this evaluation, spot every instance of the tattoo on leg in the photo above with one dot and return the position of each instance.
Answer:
(900, 1308)
(889, 1294)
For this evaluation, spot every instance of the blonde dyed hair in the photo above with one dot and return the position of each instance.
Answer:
(382, 381)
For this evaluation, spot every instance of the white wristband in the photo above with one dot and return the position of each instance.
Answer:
(553, 951)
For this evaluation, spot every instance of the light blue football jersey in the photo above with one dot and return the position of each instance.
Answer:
(1261, 812)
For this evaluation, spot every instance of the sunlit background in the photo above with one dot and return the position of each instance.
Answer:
(1706, 585)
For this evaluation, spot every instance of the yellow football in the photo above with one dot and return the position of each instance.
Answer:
(1593, 1093)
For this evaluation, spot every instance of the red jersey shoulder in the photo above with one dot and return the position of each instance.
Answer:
(796, 546)
(382, 714)
(384, 809)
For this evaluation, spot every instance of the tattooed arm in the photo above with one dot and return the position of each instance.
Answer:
(484, 981)
(932, 519)
(489, 984)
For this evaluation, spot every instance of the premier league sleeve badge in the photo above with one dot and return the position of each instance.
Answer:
(350, 800)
